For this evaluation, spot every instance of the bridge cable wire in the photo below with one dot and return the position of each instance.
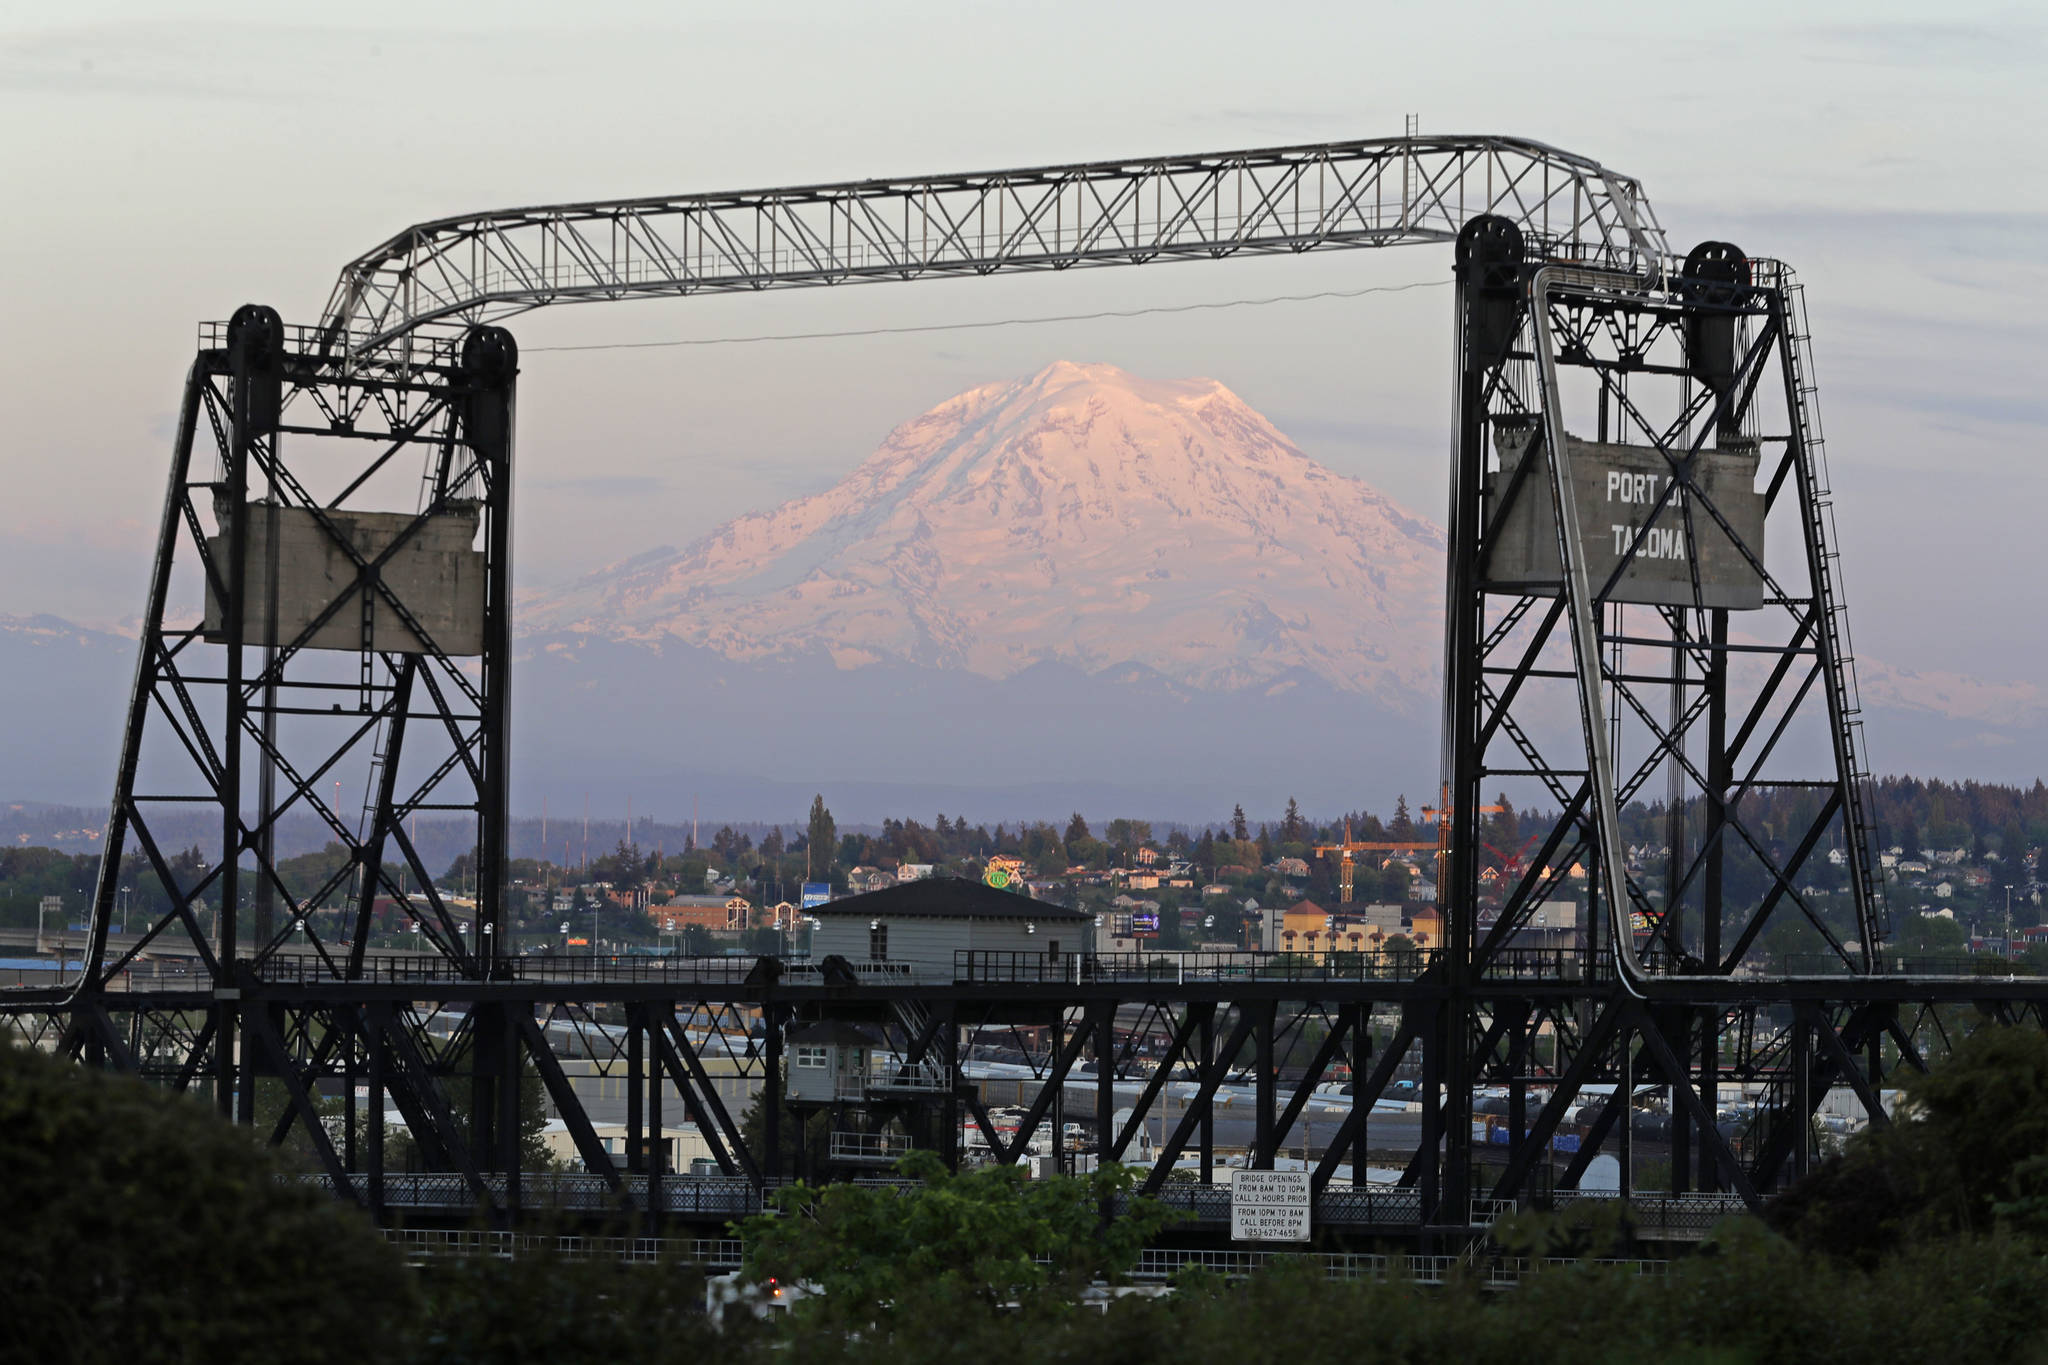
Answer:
(996, 322)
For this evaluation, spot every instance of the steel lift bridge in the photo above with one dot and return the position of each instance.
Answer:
(330, 603)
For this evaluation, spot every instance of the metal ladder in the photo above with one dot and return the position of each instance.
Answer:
(1834, 624)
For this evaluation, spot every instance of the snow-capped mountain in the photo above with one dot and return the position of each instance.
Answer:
(1082, 516)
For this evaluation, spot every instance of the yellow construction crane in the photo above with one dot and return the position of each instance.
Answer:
(1443, 827)
(1343, 852)
(1441, 844)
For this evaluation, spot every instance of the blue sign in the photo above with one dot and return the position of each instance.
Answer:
(1145, 922)
(816, 894)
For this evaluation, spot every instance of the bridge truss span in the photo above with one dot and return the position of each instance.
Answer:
(1379, 192)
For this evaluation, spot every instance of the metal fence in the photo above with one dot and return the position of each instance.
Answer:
(1662, 1217)
(970, 967)
(868, 1146)
(421, 1245)
(1157, 1264)
(309, 968)
(1005, 966)
(441, 1192)
(1341, 1205)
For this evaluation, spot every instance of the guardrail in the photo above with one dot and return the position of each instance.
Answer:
(420, 1245)
(1348, 1206)
(879, 1147)
(917, 1077)
(1544, 964)
(1005, 966)
(1013, 967)
(1986, 964)
(1163, 1263)
(627, 969)
(442, 1192)
(971, 967)
(1662, 1217)
(1657, 1218)
(1155, 1264)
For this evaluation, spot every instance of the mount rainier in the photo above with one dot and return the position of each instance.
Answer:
(1083, 517)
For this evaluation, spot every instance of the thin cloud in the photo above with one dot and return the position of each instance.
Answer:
(1971, 46)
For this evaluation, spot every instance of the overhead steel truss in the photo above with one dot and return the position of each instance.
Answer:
(1377, 192)
(1579, 337)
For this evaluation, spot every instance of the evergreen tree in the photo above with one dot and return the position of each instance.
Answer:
(822, 838)
(1239, 830)
(1290, 823)
(1403, 826)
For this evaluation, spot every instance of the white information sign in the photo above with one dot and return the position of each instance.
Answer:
(1269, 1206)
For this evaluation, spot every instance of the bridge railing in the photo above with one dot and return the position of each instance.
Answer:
(569, 1192)
(1541, 964)
(1155, 1264)
(1984, 964)
(308, 969)
(992, 966)
(422, 1244)
(1662, 1217)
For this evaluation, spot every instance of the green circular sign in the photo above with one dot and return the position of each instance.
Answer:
(998, 877)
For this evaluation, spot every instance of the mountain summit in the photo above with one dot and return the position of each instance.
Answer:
(1083, 517)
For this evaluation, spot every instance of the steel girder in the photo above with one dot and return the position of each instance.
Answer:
(319, 1067)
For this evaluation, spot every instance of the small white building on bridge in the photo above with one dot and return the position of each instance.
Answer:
(914, 932)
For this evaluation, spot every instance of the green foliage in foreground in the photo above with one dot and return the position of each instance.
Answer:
(1754, 1299)
(136, 1226)
(1970, 1157)
(550, 1310)
(985, 1240)
(141, 1228)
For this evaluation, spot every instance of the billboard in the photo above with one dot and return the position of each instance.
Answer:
(1625, 499)
(816, 894)
(1145, 922)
